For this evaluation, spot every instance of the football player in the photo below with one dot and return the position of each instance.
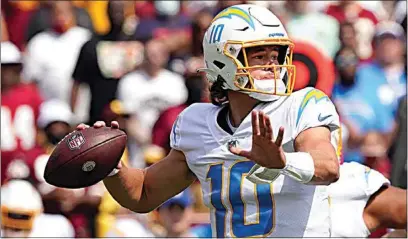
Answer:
(254, 119)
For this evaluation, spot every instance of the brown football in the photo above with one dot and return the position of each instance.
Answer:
(85, 157)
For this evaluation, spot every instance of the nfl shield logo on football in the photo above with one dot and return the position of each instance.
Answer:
(75, 141)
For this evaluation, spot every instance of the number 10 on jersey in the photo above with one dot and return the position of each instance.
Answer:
(235, 205)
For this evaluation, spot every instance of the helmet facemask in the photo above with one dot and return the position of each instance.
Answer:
(282, 80)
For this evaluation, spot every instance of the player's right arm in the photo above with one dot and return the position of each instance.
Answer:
(143, 190)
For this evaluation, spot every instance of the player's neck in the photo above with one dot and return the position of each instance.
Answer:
(240, 105)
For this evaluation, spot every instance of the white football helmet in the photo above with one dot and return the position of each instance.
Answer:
(236, 29)
(20, 204)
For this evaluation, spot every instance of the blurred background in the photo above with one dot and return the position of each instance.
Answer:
(66, 62)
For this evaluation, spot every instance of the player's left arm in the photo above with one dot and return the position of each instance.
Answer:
(315, 160)
(317, 123)
(387, 208)
(317, 143)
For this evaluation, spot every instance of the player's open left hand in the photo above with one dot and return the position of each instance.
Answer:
(265, 151)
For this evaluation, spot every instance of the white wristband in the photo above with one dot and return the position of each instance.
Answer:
(299, 166)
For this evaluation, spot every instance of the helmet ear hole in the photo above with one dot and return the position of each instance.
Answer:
(219, 64)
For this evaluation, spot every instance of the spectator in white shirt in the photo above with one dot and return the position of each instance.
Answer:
(51, 55)
(145, 93)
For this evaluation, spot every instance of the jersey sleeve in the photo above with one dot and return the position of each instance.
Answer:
(357, 181)
(175, 135)
(374, 180)
(349, 196)
(314, 108)
(188, 128)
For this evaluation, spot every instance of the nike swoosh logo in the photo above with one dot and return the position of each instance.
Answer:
(243, 29)
(320, 118)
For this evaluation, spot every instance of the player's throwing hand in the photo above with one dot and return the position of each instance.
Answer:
(265, 151)
(100, 124)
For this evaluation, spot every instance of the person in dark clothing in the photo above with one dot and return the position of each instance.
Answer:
(104, 59)
(102, 62)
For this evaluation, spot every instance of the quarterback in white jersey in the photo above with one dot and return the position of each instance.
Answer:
(239, 207)
(255, 119)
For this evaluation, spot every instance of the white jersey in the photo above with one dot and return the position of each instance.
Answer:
(349, 196)
(240, 208)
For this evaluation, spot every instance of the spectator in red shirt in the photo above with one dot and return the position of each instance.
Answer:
(162, 128)
(346, 10)
(364, 22)
(19, 112)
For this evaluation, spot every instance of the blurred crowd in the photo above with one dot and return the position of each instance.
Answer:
(66, 62)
